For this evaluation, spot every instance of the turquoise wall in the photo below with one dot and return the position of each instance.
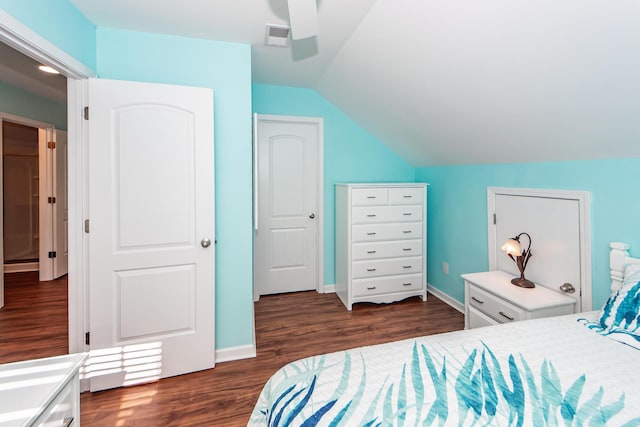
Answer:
(457, 220)
(350, 153)
(19, 102)
(225, 67)
(60, 23)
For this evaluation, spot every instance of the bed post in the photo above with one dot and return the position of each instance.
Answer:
(617, 259)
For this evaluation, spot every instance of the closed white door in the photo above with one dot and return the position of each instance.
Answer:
(286, 235)
(60, 207)
(151, 237)
(554, 227)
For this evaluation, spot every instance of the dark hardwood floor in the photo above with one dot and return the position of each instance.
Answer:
(34, 320)
(288, 327)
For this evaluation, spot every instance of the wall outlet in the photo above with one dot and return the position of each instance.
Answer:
(445, 268)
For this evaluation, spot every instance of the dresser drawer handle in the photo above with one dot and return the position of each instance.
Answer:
(372, 215)
(67, 421)
(407, 284)
(406, 249)
(371, 252)
(406, 266)
(371, 234)
(407, 197)
(479, 301)
(505, 316)
(371, 269)
(406, 231)
(371, 288)
(407, 214)
(371, 197)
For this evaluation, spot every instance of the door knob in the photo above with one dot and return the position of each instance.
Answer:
(312, 216)
(205, 242)
(567, 288)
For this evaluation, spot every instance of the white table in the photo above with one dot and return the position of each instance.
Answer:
(41, 391)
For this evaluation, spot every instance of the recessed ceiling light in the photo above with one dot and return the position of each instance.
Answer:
(48, 69)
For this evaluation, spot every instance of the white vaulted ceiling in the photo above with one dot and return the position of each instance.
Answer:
(442, 81)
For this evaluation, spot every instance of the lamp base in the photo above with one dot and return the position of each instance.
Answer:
(522, 282)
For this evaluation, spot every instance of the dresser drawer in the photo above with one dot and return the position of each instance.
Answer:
(369, 196)
(383, 285)
(406, 196)
(395, 249)
(386, 267)
(378, 232)
(374, 214)
(62, 410)
(494, 307)
(477, 319)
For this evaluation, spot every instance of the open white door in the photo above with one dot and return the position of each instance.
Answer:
(61, 205)
(151, 209)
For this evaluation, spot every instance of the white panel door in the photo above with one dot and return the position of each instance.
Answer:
(151, 209)
(286, 239)
(554, 226)
(60, 207)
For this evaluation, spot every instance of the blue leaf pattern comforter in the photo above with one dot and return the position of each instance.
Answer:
(547, 372)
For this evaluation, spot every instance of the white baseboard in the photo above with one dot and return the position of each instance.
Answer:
(446, 298)
(329, 289)
(21, 267)
(235, 353)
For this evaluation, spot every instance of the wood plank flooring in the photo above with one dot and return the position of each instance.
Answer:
(34, 320)
(288, 327)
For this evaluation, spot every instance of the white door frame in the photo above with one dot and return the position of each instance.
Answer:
(319, 121)
(22, 38)
(582, 197)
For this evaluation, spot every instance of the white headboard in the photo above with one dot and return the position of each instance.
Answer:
(618, 258)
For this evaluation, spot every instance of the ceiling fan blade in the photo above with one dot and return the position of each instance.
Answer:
(303, 18)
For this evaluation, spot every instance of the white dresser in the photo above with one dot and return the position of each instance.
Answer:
(41, 392)
(381, 237)
(491, 299)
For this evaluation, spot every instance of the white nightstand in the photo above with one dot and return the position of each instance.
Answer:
(491, 299)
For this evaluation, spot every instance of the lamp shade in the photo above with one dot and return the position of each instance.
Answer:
(512, 247)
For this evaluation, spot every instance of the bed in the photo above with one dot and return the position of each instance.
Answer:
(575, 370)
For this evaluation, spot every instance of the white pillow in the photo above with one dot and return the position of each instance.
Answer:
(631, 274)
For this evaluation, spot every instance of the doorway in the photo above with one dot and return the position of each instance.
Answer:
(288, 190)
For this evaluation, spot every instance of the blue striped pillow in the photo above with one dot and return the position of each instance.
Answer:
(622, 309)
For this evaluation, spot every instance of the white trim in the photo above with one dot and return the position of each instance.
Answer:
(457, 305)
(21, 267)
(319, 121)
(583, 199)
(25, 40)
(235, 353)
(329, 289)
(22, 38)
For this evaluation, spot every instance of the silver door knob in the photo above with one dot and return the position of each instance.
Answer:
(312, 215)
(567, 288)
(205, 242)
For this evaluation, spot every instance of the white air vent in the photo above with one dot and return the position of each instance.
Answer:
(277, 35)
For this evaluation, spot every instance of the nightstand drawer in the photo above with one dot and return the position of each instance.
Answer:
(477, 319)
(494, 307)
(395, 249)
(387, 285)
(386, 267)
(374, 214)
(369, 196)
(62, 410)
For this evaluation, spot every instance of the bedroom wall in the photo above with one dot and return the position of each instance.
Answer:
(19, 102)
(351, 154)
(225, 67)
(60, 23)
(457, 219)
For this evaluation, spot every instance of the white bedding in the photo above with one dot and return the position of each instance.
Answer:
(552, 371)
